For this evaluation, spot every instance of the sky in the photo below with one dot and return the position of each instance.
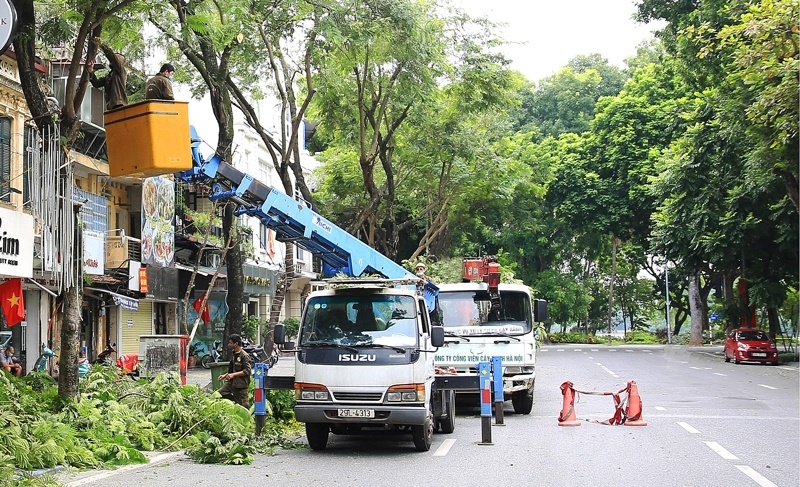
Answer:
(555, 31)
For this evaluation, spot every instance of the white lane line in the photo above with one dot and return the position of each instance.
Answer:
(576, 350)
(700, 368)
(720, 450)
(788, 368)
(105, 475)
(560, 350)
(595, 350)
(757, 477)
(723, 375)
(612, 350)
(659, 408)
(768, 387)
(688, 427)
(442, 450)
(629, 350)
(608, 370)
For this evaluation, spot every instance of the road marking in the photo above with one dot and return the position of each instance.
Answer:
(788, 368)
(659, 408)
(700, 368)
(717, 373)
(577, 350)
(594, 350)
(768, 387)
(442, 450)
(629, 350)
(757, 477)
(607, 370)
(688, 427)
(612, 350)
(105, 475)
(560, 350)
(721, 451)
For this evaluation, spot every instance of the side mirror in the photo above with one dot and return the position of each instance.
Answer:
(279, 334)
(539, 310)
(437, 336)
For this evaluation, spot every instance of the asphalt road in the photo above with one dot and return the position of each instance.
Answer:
(708, 422)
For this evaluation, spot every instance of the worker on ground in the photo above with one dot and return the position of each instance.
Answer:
(238, 376)
(159, 87)
(114, 83)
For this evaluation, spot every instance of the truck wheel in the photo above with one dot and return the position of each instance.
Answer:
(317, 435)
(205, 361)
(422, 434)
(448, 424)
(522, 401)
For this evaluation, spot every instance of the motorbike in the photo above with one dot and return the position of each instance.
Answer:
(104, 357)
(41, 363)
(258, 355)
(212, 356)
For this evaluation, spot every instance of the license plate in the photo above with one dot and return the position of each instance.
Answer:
(758, 354)
(356, 413)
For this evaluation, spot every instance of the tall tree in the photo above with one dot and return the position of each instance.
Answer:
(87, 20)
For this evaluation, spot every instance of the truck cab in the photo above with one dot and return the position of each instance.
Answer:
(365, 359)
(480, 323)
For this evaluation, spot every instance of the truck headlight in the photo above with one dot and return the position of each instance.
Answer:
(514, 370)
(406, 393)
(311, 392)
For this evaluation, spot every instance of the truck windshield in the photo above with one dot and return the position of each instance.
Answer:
(471, 313)
(360, 320)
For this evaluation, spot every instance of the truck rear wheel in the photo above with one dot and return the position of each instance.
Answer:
(422, 434)
(317, 435)
(448, 424)
(523, 401)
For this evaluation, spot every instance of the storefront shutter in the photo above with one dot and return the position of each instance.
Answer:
(135, 324)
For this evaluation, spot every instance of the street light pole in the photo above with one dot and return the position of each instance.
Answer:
(669, 328)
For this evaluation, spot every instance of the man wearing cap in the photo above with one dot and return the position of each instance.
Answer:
(421, 268)
(159, 87)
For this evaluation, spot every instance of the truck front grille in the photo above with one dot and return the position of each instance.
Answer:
(358, 396)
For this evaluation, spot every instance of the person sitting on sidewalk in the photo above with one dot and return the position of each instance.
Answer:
(8, 364)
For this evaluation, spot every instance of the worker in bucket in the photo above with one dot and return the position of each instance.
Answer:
(420, 271)
(237, 380)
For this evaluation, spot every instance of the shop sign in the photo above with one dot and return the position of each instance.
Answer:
(16, 237)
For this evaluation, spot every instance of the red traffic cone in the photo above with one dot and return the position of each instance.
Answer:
(634, 412)
(567, 416)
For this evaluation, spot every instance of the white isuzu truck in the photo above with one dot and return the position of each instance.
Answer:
(365, 359)
(483, 318)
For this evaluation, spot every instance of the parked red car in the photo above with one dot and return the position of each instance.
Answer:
(750, 345)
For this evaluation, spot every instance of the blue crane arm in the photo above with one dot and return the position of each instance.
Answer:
(292, 220)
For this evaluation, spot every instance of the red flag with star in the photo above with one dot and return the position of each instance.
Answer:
(12, 301)
(206, 314)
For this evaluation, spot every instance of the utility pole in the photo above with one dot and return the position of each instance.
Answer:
(669, 327)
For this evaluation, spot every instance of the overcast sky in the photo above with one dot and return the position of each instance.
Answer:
(555, 31)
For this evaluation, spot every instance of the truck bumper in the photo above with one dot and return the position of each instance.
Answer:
(327, 413)
(516, 383)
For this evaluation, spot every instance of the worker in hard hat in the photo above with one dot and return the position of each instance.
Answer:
(420, 271)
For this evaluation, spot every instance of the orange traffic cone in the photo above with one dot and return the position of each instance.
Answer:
(634, 412)
(567, 416)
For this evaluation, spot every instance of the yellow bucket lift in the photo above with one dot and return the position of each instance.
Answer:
(149, 138)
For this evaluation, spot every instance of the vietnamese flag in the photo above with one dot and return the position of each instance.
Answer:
(12, 302)
(206, 314)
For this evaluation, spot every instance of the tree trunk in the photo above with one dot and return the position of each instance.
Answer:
(234, 260)
(696, 310)
(774, 322)
(70, 333)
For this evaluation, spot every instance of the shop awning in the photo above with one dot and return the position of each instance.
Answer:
(126, 302)
(201, 271)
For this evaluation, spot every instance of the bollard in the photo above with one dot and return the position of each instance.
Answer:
(260, 395)
(497, 380)
(486, 403)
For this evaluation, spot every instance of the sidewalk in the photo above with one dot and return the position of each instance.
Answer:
(202, 377)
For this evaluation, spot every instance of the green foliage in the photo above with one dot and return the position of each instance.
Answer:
(570, 337)
(114, 419)
(250, 326)
(641, 337)
(292, 324)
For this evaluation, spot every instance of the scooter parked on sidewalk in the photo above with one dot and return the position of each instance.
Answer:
(41, 364)
(104, 358)
(213, 355)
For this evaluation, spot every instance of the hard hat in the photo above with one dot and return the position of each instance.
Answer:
(421, 264)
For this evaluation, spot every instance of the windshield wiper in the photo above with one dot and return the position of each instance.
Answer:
(381, 345)
(497, 333)
(330, 344)
(456, 335)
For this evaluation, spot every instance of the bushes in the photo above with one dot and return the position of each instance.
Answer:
(570, 337)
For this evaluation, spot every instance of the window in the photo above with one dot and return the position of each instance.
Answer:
(5, 159)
